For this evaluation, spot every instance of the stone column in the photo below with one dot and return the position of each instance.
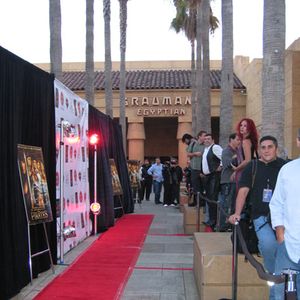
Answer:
(136, 138)
(183, 127)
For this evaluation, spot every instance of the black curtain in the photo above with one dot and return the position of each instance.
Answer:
(26, 117)
(119, 156)
(110, 146)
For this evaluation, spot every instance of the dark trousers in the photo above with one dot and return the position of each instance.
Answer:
(212, 188)
(197, 185)
(175, 193)
(146, 186)
(167, 194)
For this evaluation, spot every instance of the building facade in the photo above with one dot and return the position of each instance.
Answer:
(158, 100)
(158, 105)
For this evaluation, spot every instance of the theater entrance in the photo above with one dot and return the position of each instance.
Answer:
(161, 138)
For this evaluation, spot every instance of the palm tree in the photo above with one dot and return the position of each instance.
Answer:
(108, 64)
(199, 73)
(273, 81)
(55, 38)
(227, 72)
(204, 100)
(123, 27)
(185, 21)
(89, 52)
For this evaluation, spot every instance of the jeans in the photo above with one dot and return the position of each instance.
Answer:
(267, 245)
(226, 201)
(157, 190)
(284, 262)
(211, 185)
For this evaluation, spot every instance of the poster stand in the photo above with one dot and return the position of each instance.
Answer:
(36, 198)
(32, 255)
(118, 197)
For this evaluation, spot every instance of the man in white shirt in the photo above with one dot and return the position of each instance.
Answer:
(211, 173)
(285, 216)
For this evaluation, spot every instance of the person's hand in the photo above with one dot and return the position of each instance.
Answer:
(280, 234)
(197, 153)
(280, 239)
(233, 167)
(232, 177)
(233, 218)
(219, 169)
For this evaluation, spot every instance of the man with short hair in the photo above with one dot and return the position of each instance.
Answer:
(156, 172)
(194, 151)
(285, 212)
(258, 180)
(211, 173)
(228, 185)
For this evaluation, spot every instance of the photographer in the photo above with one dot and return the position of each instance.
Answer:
(258, 180)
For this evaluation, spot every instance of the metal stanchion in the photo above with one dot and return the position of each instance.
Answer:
(234, 263)
(198, 212)
(290, 287)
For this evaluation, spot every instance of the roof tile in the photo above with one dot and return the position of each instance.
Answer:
(140, 80)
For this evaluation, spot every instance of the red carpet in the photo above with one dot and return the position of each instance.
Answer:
(103, 270)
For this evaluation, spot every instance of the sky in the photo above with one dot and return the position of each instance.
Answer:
(24, 30)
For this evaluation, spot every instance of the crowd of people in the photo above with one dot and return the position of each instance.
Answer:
(155, 176)
(247, 177)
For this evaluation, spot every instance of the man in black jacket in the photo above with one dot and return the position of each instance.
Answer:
(211, 173)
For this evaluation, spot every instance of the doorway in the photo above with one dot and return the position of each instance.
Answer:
(161, 140)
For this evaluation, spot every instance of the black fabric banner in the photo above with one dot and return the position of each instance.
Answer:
(26, 117)
(110, 146)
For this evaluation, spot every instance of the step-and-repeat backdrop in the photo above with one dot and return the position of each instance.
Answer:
(71, 113)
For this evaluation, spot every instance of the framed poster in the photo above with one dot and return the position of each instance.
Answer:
(34, 184)
(133, 171)
(117, 188)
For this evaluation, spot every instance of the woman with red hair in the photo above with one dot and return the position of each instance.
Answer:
(247, 132)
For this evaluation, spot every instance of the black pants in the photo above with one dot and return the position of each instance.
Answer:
(167, 194)
(175, 193)
(146, 186)
(212, 188)
(197, 184)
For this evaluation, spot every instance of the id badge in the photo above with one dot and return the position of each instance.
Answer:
(267, 195)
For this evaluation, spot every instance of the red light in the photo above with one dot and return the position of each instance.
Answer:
(94, 139)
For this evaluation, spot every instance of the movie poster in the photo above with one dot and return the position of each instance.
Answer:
(133, 171)
(117, 188)
(34, 184)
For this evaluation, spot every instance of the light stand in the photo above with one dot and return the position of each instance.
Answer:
(95, 206)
